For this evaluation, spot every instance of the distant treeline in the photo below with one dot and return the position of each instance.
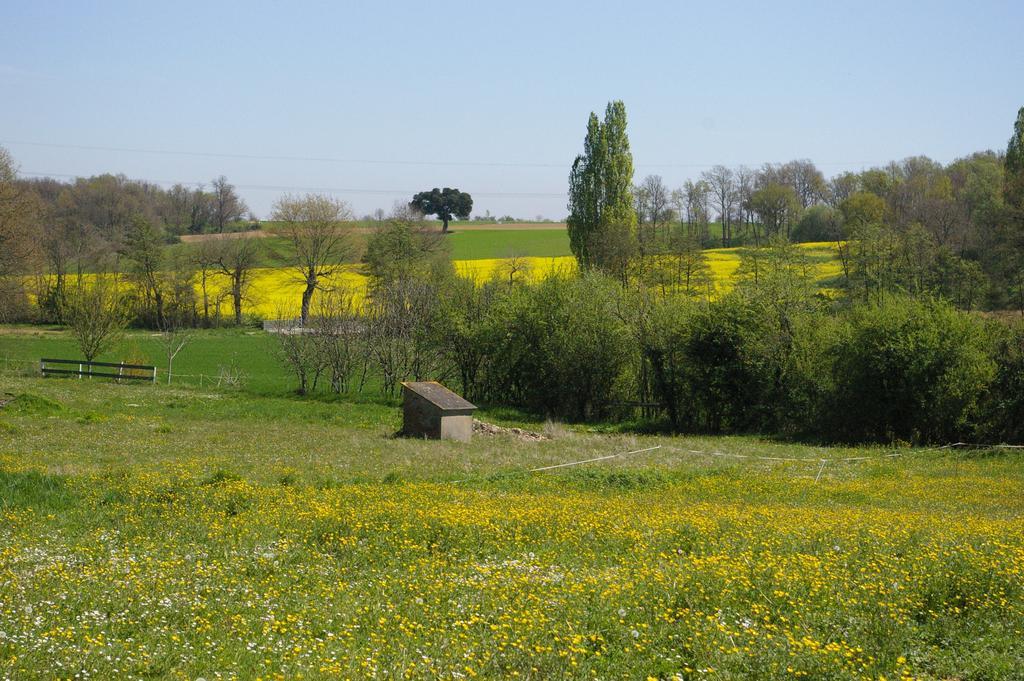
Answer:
(945, 229)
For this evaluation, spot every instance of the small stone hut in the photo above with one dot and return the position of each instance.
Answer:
(432, 410)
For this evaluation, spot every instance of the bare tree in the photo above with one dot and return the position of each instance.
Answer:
(338, 331)
(746, 181)
(20, 210)
(188, 209)
(697, 210)
(175, 334)
(399, 334)
(227, 206)
(516, 267)
(236, 259)
(842, 187)
(722, 184)
(806, 180)
(657, 196)
(315, 226)
(205, 260)
(95, 316)
(301, 351)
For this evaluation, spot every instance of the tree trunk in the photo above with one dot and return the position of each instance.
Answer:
(158, 299)
(236, 294)
(444, 230)
(206, 302)
(307, 295)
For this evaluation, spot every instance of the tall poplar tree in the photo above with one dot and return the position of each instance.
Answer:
(618, 174)
(601, 214)
(1015, 164)
(585, 193)
(1011, 241)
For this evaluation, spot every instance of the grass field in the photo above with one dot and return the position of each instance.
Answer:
(253, 353)
(504, 243)
(172, 532)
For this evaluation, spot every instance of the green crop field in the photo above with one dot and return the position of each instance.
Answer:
(154, 531)
(466, 243)
(505, 243)
(468, 240)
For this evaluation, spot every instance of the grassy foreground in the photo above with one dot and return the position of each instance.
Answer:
(161, 532)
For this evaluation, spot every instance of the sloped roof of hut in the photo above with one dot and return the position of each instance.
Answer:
(438, 395)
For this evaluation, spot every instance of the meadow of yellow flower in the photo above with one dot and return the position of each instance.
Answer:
(161, 540)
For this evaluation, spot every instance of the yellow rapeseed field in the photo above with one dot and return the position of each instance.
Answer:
(275, 292)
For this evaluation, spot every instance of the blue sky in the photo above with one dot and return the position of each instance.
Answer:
(494, 99)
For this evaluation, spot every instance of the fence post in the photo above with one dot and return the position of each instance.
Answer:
(154, 373)
(120, 371)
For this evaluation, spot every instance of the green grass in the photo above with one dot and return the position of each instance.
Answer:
(275, 251)
(501, 243)
(250, 351)
(171, 532)
(154, 531)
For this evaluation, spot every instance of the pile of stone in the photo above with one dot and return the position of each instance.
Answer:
(481, 428)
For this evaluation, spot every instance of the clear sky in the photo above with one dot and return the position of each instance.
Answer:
(395, 97)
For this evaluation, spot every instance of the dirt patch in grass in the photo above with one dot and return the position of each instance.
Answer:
(199, 238)
(482, 428)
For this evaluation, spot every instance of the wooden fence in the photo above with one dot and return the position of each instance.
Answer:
(83, 368)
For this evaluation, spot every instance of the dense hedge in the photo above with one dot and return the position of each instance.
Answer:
(909, 370)
(771, 357)
(901, 370)
(1003, 413)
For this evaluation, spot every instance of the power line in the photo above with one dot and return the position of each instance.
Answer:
(270, 157)
(322, 190)
(367, 161)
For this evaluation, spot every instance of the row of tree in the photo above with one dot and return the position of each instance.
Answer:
(56, 237)
(772, 356)
(88, 225)
(961, 220)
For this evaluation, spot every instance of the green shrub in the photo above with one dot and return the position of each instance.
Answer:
(738, 365)
(1003, 419)
(908, 370)
(558, 348)
(818, 223)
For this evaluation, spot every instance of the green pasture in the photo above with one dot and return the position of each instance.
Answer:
(153, 531)
(250, 352)
(502, 243)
